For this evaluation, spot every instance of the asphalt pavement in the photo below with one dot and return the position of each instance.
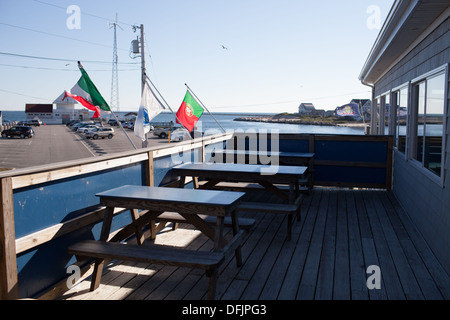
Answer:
(56, 143)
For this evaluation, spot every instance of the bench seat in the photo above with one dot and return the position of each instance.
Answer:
(242, 186)
(244, 223)
(149, 254)
(278, 208)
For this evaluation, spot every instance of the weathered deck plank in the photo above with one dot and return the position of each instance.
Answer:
(340, 234)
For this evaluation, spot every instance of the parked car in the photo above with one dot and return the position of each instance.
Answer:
(100, 132)
(35, 123)
(18, 131)
(128, 125)
(179, 134)
(113, 122)
(72, 123)
(86, 128)
(29, 123)
(80, 124)
(163, 132)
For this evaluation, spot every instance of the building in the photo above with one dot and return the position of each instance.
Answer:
(63, 113)
(306, 108)
(41, 112)
(65, 110)
(408, 68)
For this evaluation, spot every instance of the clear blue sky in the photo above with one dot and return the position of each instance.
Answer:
(279, 52)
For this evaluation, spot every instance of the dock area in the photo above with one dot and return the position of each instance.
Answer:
(341, 233)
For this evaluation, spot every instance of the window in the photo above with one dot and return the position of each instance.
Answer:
(384, 113)
(374, 118)
(400, 103)
(429, 104)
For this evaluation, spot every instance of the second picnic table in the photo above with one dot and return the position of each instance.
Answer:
(265, 175)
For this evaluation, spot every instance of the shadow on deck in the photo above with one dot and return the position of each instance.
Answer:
(341, 233)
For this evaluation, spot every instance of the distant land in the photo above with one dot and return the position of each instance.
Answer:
(295, 118)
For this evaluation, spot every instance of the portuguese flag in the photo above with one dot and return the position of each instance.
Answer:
(85, 92)
(189, 112)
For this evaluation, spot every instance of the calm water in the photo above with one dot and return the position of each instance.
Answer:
(208, 122)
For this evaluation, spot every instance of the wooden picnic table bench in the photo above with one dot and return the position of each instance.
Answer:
(154, 201)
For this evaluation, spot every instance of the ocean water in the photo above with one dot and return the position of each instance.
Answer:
(226, 121)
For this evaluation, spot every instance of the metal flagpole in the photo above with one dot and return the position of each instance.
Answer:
(110, 110)
(167, 104)
(120, 124)
(204, 107)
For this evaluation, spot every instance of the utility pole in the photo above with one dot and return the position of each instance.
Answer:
(142, 57)
(143, 72)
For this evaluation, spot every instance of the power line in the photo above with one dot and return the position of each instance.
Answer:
(58, 35)
(83, 12)
(23, 95)
(61, 59)
(60, 69)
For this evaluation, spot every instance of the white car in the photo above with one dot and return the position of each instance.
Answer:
(179, 134)
(86, 128)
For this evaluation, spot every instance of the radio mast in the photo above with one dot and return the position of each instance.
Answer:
(115, 75)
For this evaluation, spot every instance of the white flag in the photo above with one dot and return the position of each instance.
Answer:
(150, 107)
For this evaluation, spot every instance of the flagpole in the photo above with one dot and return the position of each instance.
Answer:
(80, 66)
(167, 104)
(204, 107)
(123, 129)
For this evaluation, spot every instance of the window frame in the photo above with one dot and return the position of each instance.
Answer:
(413, 113)
(405, 86)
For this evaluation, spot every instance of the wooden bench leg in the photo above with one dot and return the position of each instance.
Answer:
(235, 225)
(212, 274)
(97, 274)
(139, 234)
(290, 217)
(104, 235)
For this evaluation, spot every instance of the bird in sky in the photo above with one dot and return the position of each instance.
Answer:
(223, 47)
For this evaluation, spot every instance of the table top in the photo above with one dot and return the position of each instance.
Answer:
(173, 195)
(270, 153)
(241, 168)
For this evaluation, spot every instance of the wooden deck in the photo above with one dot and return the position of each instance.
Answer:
(340, 234)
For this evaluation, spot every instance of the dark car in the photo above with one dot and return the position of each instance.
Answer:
(29, 123)
(19, 131)
(35, 123)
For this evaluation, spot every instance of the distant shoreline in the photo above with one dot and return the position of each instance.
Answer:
(304, 120)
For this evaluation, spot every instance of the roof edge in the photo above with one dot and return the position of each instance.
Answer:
(400, 10)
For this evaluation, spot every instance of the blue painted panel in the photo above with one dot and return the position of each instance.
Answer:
(44, 205)
(288, 145)
(41, 206)
(352, 151)
(349, 175)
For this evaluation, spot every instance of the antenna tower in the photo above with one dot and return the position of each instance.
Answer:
(115, 75)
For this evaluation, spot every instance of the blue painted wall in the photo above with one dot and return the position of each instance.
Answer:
(44, 205)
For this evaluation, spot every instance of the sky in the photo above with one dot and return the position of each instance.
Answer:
(252, 56)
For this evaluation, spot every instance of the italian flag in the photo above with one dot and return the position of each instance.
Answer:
(189, 112)
(85, 92)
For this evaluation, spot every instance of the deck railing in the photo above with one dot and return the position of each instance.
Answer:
(339, 160)
(46, 208)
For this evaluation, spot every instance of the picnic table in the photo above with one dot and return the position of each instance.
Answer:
(266, 157)
(154, 201)
(266, 176)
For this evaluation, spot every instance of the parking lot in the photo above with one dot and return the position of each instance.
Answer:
(56, 143)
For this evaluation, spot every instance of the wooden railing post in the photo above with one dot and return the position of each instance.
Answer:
(150, 176)
(8, 263)
(389, 164)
